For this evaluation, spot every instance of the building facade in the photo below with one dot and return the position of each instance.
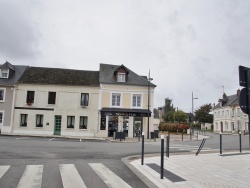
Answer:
(124, 99)
(9, 76)
(52, 101)
(228, 117)
(57, 102)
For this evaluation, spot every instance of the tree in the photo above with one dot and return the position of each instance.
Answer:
(168, 110)
(180, 116)
(202, 114)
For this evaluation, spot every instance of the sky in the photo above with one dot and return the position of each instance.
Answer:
(188, 45)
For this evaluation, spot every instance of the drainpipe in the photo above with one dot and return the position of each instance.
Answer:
(12, 109)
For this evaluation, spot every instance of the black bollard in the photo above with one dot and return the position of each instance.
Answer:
(240, 141)
(167, 146)
(162, 155)
(190, 133)
(142, 149)
(220, 142)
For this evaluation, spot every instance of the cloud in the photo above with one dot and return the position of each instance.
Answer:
(18, 34)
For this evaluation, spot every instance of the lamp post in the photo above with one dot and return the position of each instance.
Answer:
(193, 107)
(149, 79)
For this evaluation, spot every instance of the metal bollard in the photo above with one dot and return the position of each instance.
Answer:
(220, 142)
(190, 133)
(240, 141)
(162, 155)
(142, 149)
(167, 147)
(154, 135)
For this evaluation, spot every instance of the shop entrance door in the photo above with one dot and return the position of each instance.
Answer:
(113, 125)
(137, 126)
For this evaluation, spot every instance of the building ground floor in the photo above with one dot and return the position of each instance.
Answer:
(79, 123)
(231, 126)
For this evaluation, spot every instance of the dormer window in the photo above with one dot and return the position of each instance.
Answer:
(121, 77)
(4, 74)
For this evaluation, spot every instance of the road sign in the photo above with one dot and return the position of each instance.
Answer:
(244, 100)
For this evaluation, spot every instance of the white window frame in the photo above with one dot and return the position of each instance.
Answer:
(136, 95)
(233, 112)
(25, 119)
(238, 112)
(39, 117)
(222, 114)
(111, 101)
(5, 72)
(227, 113)
(4, 93)
(70, 122)
(121, 77)
(84, 118)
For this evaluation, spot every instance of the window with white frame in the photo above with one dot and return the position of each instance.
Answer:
(222, 114)
(226, 124)
(23, 120)
(238, 112)
(84, 99)
(70, 121)
(227, 113)
(116, 99)
(4, 73)
(121, 77)
(39, 120)
(137, 100)
(83, 124)
(2, 94)
(233, 112)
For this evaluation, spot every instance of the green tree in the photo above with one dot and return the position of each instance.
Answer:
(168, 110)
(178, 116)
(202, 114)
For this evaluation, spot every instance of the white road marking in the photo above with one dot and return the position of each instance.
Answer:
(51, 139)
(32, 177)
(3, 169)
(70, 176)
(21, 138)
(110, 178)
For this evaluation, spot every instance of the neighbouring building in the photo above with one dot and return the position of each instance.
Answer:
(123, 102)
(52, 101)
(228, 116)
(9, 76)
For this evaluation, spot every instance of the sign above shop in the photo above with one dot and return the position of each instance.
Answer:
(125, 112)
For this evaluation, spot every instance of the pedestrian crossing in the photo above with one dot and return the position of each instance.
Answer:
(70, 177)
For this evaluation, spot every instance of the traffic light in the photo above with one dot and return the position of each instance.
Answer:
(244, 98)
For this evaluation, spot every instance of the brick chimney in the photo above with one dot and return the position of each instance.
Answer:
(238, 92)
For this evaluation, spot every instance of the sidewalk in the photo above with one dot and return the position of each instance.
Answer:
(204, 170)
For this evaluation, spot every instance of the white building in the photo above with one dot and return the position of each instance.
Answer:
(53, 101)
(228, 116)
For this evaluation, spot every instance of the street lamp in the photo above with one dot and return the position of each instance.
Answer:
(193, 107)
(149, 79)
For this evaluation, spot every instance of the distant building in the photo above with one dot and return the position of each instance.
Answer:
(228, 116)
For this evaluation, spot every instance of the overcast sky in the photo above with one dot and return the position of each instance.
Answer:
(188, 45)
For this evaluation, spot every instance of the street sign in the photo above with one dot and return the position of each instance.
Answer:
(244, 73)
(244, 100)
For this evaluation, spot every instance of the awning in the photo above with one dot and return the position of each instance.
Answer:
(125, 112)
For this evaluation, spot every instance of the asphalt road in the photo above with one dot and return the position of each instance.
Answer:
(19, 152)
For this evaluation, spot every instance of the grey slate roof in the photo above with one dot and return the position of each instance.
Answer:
(232, 100)
(56, 76)
(107, 76)
(19, 70)
(7, 65)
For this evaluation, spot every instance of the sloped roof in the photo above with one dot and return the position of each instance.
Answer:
(19, 70)
(7, 65)
(107, 76)
(56, 76)
(232, 100)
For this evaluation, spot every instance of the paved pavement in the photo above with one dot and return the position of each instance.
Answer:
(188, 170)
